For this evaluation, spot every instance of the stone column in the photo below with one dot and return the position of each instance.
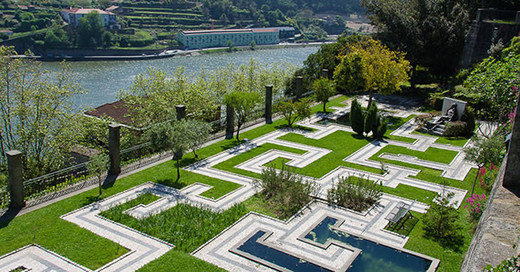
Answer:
(512, 173)
(114, 148)
(230, 122)
(299, 87)
(325, 73)
(15, 171)
(181, 112)
(268, 104)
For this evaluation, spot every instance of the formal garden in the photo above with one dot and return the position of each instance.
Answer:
(323, 167)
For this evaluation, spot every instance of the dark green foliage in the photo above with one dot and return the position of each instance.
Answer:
(185, 226)
(323, 90)
(356, 193)
(285, 191)
(90, 30)
(380, 129)
(441, 221)
(454, 129)
(357, 118)
(371, 118)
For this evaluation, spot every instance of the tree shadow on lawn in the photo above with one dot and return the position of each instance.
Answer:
(454, 241)
(177, 184)
(285, 126)
(8, 216)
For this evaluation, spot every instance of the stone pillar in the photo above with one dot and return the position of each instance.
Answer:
(181, 112)
(114, 148)
(299, 87)
(268, 104)
(325, 73)
(15, 171)
(512, 173)
(230, 122)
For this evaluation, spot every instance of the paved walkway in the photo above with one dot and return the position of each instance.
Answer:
(370, 225)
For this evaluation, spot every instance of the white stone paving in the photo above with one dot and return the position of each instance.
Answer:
(144, 249)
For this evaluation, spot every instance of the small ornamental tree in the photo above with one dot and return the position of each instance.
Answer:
(323, 90)
(292, 111)
(486, 151)
(371, 118)
(243, 103)
(441, 219)
(357, 118)
(98, 165)
(198, 132)
(172, 136)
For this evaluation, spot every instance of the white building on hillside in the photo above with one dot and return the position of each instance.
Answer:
(72, 16)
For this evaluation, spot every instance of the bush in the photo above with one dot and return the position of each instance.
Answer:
(436, 99)
(356, 193)
(469, 118)
(441, 219)
(455, 129)
(284, 190)
(357, 117)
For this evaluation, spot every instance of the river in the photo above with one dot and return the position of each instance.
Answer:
(104, 79)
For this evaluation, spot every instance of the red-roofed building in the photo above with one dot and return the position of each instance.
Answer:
(72, 16)
(117, 111)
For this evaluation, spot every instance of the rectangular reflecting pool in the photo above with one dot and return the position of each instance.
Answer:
(373, 256)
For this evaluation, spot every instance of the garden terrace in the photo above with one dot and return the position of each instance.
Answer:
(220, 185)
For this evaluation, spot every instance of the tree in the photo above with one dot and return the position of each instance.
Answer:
(323, 90)
(431, 32)
(348, 76)
(36, 113)
(243, 103)
(383, 70)
(441, 219)
(380, 129)
(198, 133)
(90, 30)
(357, 118)
(174, 136)
(485, 151)
(371, 118)
(294, 110)
(493, 87)
(98, 165)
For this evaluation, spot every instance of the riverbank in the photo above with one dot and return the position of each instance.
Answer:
(119, 55)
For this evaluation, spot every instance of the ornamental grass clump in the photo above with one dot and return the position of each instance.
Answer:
(285, 191)
(475, 205)
(355, 192)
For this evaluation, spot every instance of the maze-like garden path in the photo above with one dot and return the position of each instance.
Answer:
(284, 237)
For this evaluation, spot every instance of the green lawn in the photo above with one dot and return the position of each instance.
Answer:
(456, 141)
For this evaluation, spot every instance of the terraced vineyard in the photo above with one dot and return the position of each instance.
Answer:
(167, 19)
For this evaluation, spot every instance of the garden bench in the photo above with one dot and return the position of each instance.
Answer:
(398, 212)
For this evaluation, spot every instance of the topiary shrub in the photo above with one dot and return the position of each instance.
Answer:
(371, 118)
(357, 117)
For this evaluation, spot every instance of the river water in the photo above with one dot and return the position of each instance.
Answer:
(104, 79)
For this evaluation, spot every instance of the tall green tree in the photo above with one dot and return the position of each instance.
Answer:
(36, 113)
(431, 32)
(323, 90)
(90, 30)
(371, 118)
(357, 118)
(244, 104)
(383, 70)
